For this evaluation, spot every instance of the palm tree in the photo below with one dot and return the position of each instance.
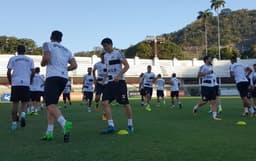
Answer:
(203, 15)
(216, 5)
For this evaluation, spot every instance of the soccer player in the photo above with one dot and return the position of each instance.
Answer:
(141, 89)
(58, 61)
(116, 88)
(253, 85)
(20, 73)
(237, 71)
(148, 80)
(37, 87)
(160, 82)
(175, 87)
(100, 81)
(88, 88)
(66, 94)
(208, 90)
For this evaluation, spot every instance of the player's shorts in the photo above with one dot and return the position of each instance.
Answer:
(20, 93)
(217, 89)
(160, 93)
(36, 96)
(99, 89)
(253, 93)
(243, 88)
(116, 91)
(66, 96)
(53, 88)
(174, 93)
(148, 90)
(88, 95)
(208, 93)
(142, 92)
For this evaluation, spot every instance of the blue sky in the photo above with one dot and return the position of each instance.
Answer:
(85, 22)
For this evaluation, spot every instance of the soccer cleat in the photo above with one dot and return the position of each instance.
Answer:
(35, 113)
(65, 106)
(48, 136)
(67, 130)
(142, 104)
(194, 111)
(104, 118)
(22, 122)
(245, 114)
(180, 106)
(108, 130)
(130, 129)
(220, 110)
(148, 108)
(217, 119)
(14, 126)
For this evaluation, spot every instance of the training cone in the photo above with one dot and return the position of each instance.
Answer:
(122, 132)
(241, 123)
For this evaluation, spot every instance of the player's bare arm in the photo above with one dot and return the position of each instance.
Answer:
(72, 64)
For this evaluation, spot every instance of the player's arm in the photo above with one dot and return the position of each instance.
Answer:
(124, 70)
(72, 64)
(94, 74)
(9, 75)
(201, 74)
(32, 75)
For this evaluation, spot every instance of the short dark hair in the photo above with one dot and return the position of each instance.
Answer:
(205, 58)
(254, 64)
(233, 58)
(173, 74)
(21, 49)
(37, 70)
(107, 41)
(56, 35)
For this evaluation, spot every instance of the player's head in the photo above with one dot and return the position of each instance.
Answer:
(89, 70)
(37, 70)
(207, 60)
(102, 57)
(56, 36)
(149, 68)
(159, 76)
(233, 59)
(141, 75)
(21, 49)
(254, 67)
(107, 44)
(173, 75)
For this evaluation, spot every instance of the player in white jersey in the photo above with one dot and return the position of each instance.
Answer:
(208, 91)
(148, 80)
(175, 88)
(116, 88)
(237, 71)
(20, 72)
(66, 94)
(88, 88)
(36, 90)
(58, 61)
(160, 82)
(141, 89)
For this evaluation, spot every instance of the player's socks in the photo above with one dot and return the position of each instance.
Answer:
(61, 120)
(14, 125)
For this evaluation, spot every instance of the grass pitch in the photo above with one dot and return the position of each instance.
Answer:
(164, 134)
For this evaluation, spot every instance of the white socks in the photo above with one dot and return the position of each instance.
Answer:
(130, 123)
(111, 123)
(214, 114)
(50, 129)
(61, 120)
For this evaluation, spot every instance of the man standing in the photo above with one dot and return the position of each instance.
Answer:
(237, 71)
(175, 87)
(208, 90)
(56, 59)
(20, 73)
(88, 88)
(148, 80)
(160, 82)
(116, 87)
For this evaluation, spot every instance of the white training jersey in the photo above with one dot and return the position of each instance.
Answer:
(37, 83)
(113, 62)
(148, 79)
(239, 72)
(175, 83)
(60, 57)
(160, 84)
(88, 83)
(67, 88)
(253, 79)
(21, 67)
(209, 79)
(101, 69)
(215, 79)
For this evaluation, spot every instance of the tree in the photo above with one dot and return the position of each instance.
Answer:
(203, 15)
(169, 50)
(144, 50)
(216, 5)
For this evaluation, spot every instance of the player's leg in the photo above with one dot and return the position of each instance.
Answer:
(64, 100)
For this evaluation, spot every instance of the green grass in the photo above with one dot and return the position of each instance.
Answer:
(161, 135)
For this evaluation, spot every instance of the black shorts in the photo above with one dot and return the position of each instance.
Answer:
(217, 90)
(243, 88)
(142, 92)
(53, 88)
(99, 89)
(88, 95)
(20, 93)
(66, 96)
(116, 91)
(148, 90)
(160, 93)
(174, 93)
(36, 96)
(208, 93)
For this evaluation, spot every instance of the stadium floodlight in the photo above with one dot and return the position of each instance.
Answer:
(155, 39)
